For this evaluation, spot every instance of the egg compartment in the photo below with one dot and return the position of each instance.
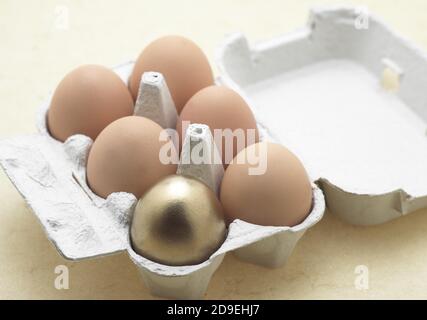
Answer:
(347, 95)
(267, 246)
(51, 177)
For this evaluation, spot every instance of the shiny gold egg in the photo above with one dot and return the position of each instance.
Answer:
(179, 221)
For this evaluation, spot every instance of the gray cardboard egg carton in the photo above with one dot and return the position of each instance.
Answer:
(51, 177)
(316, 90)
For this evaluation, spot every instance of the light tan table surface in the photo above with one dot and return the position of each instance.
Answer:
(34, 56)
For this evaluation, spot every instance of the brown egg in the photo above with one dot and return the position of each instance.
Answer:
(182, 63)
(125, 157)
(86, 101)
(221, 108)
(280, 194)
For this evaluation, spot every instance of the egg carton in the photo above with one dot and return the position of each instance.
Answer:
(51, 176)
(321, 91)
(316, 90)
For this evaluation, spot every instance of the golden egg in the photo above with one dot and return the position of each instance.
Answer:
(179, 221)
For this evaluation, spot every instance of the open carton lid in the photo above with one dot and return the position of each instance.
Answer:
(322, 91)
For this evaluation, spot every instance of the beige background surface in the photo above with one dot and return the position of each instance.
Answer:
(35, 54)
